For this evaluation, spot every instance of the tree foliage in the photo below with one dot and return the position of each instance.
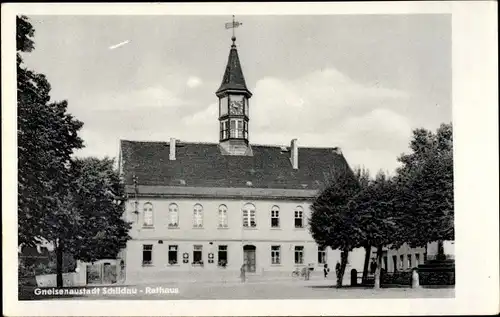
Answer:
(98, 198)
(47, 136)
(425, 182)
(333, 216)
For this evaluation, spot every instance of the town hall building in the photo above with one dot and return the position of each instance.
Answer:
(209, 208)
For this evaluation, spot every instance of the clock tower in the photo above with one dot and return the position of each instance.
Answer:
(233, 97)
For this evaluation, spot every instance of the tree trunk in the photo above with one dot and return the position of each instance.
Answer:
(440, 248)
(368, 251)
(59, 264)
(379, 267)
(343, 263)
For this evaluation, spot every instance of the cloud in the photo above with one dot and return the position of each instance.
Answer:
(322, 108)
(193, 82)
(326, 108)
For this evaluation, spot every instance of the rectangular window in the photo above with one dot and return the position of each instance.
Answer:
(321, 256)
(232, 128)
(275, 254)
(239, 128)
(385, 264)
(147, 254)
(246, 129)
(275, 218)
(198, 254)
(409, 261)
(401, 262)
(222, 255)
(394, 263)
(417, 259)
(299, 255)
(298, 219)
(172, 254)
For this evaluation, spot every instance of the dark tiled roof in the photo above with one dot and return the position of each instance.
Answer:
(233, 76)
(203, 165)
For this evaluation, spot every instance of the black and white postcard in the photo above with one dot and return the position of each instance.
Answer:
(180, 159)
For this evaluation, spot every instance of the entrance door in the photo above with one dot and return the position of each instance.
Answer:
(249, 258)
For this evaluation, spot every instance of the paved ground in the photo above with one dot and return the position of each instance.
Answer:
(263, 290)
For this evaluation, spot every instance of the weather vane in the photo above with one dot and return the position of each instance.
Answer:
(233, 25)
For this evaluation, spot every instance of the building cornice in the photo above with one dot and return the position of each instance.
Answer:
(216, 192)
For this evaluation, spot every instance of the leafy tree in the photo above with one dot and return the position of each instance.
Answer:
(425, 182)
(47, 136)
(377, 217)
(332, 222)
(363, 177)
(90, 224)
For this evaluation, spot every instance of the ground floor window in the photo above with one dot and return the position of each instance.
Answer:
(198, 254)
(321, 256)
(401, 262)
(409, 261)
(299, 255)
(417, 259)
(394, 263)
(385, 263)
(147, 254)
(172, 254)
(275, 254)
(222, 256)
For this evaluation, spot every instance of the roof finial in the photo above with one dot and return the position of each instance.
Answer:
(233, 25)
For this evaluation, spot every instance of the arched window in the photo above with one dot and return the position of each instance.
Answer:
(222, 216)
(249, 216)
(173, 216)
(299, 217)
(198, 216)
(148, 215)
(275, 217)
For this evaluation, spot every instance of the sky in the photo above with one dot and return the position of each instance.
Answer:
(359, 82)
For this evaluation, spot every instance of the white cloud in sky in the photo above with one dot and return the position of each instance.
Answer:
(193, 82)
(322, 108)
(325, 108)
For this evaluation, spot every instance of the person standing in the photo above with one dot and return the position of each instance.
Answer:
(326, 270)
(242, 273)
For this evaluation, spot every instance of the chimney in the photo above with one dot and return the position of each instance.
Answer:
(294, 158)
(172, 149)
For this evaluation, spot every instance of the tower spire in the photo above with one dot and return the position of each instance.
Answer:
(234, 98)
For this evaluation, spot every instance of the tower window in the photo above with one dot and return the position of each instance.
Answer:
(236, 128)
(223, 106)
(224, 130)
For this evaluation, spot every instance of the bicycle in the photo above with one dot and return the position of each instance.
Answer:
(298, 272)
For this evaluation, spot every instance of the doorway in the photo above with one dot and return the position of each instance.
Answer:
(249, 258)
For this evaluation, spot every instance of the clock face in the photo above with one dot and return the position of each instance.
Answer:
(236, 105)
